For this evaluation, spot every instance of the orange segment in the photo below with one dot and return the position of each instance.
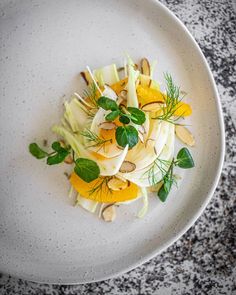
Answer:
(103, 196)
(117, 87)
(110, 134)
(146, 95)
(183, 109)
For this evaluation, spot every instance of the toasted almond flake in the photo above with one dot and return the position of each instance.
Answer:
(135, 67)
(117, 184)
(68, 160)
(120, 69)
(107, 125)
(184, 135)
(123, 94)
(127, 167)
(86, 77)
(153, 106)
(145, 67)
(109, 213)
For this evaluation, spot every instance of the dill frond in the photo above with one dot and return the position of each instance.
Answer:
(91, 93)
(172, 100)
(94, 140)
(101, 186)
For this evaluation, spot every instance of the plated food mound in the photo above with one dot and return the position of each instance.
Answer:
(119, 138)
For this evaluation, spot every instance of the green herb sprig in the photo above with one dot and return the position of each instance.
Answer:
(56, 157)
(183, 160)
(94, 140)
(171, 100)
(125, 135)
(86, 169)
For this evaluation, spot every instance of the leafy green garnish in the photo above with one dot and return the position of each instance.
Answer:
(57, 156)
(137, 116)
(171, 100)
(107, 103)
(124, 119)
(165, 189)
(126, 135)
(112, 115)
(184, 159)
(86, 169)
(36, 151)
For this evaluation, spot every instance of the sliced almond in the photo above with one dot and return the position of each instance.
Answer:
(120, 69)
(86, 77)
(153, 106)
(117, 184)
(68, 160)
(127, 167)
(123, 94)
(109, 213)
(184, 135)
(107, 125)
(145, 67)
(135, 67)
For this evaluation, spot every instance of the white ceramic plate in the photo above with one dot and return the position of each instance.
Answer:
(44, 44)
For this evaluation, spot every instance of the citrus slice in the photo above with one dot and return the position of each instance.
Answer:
(103, 195)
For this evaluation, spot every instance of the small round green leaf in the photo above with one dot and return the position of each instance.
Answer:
(36, 151)
(58, 158)
(126, 135)
(112, 116)
(184, 159)
(86, 169)
(124, 119)
(107, 103)
(137, 116)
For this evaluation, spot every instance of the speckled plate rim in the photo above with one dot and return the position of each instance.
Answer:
(208, 197)
(154, 253)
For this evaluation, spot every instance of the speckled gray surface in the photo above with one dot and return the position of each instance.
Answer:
(203, 261)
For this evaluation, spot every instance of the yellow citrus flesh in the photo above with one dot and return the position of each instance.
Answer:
(119, 86)
(147, 95)
(103, 196)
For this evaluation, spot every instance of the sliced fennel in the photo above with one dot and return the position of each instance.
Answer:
(142, 177)
(75, 115)
(107, 75)
(132, 99)
(143, 155)
(142, 212)
(87, 204)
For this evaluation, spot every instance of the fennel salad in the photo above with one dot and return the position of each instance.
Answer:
(119, 135)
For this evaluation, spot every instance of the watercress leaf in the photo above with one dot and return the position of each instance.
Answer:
(124, 119)
(107, 103)
(126, 135)
(57, 158)
(165, 189)
(36, 151)
(86, 169)
(137, 116)
(56, 146)
(112, 116)
(184, 159)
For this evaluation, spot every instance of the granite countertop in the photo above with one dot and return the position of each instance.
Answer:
(203, 261)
